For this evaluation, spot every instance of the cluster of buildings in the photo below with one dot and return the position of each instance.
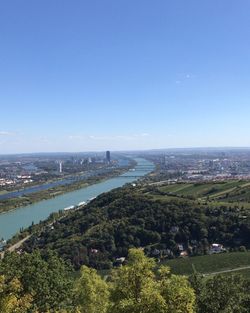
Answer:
(80, 161)
(205, 166)
(183, 251)
(20, 179)
(17, 171)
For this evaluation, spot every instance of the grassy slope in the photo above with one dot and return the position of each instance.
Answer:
(216, 191)
(226, 193)
(204, 190)
(210, 263)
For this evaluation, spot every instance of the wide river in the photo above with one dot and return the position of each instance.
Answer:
(12, 221)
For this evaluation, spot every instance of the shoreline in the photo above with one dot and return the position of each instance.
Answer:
(57, 191)
(14, 223)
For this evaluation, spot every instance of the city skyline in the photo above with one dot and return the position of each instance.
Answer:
(134, 75)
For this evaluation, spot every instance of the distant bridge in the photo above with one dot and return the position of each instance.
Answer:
(131, 176)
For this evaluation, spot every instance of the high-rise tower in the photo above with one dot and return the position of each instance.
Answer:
(108, 158)
(60, 167)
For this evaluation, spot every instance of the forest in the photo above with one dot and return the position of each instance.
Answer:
(115, 255)
(31, 283)
(101, 233)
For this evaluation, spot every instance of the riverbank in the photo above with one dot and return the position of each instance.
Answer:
(66, 179)
(17, 202)
(16, 245)
(13, 221)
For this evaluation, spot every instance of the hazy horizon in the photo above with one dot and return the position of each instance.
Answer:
(174, 149)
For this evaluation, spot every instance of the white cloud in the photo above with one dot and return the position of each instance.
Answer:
(108, 137)
(6, 133)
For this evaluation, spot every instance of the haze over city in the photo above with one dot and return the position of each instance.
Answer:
(123, 75)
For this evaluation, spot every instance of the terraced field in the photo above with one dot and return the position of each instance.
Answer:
(225, 191)
(239, 262)
(232, 194)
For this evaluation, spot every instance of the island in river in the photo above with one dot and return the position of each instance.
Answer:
(26, 196)
(11, 222)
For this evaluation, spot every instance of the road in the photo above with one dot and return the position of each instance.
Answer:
(228, 271)
(15, 246)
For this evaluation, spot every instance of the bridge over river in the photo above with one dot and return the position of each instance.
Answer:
(12, 221)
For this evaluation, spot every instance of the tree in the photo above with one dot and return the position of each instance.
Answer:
(12, 298)
(136, 288)
(48, 280)
(91, 292)
(177, 292)
(221, 294)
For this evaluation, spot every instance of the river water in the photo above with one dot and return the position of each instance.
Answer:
(62, 182)
(12, 221)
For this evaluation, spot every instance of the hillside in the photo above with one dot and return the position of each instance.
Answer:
(229, 191)
(165, 221)
(224, 263)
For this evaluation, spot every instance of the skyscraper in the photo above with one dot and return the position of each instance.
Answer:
(108, 158)
(60, 167)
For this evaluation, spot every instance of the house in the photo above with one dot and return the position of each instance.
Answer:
(180, 247)
(156, 252)
(174, 229)
(216, 248)
(2, 244)
(166, 252)
(120, 260)
(183, 254)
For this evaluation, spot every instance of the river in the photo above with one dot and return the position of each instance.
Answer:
(62, 182)
(12, 221)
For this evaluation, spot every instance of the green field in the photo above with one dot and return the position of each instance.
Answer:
(200, 190)
(2, 192)
(208, 264)
(215, 195)
(229, 192)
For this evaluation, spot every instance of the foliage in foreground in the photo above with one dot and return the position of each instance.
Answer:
(91, 293)
(12, 298)
(224, 294)
(47, 280)
(135, 288)
(31, 284)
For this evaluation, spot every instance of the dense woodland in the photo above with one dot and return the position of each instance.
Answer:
(31, 283)
(129, 217)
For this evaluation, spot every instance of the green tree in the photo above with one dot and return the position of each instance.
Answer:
(136, 288)
(12, 297)
(48, 280)
(221, 294)
(177, 292)
(91, 293)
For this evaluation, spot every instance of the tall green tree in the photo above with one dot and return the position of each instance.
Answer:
(48, 280)
(91, 293)
(136, 288)
(12, 297)
(177, 292)
(221, 294)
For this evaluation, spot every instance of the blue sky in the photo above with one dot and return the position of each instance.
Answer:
(81, 75)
